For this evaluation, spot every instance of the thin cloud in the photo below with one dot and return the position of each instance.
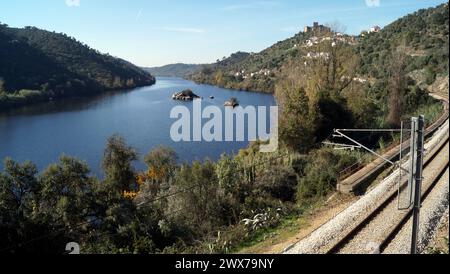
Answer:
(250, 5)
(185, 30)
(138, 16)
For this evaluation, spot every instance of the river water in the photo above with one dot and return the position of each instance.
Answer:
(80, 127)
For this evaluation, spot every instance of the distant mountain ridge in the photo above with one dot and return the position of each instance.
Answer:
(38, 65)
(174, 70)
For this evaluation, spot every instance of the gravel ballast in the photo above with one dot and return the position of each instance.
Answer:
(327, 234)
(433, 210)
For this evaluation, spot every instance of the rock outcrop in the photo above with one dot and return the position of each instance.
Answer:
(233, 102)
(185, 95)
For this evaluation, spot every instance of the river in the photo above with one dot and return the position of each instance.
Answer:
(79, 127)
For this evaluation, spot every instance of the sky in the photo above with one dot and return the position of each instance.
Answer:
(159, 32)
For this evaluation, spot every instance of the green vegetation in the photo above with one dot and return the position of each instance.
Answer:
(422, 36)
(175, 70)
(37, 66)
(219, 207)
(223, 72)
(203, 207)
(257, 71)
(441, 248)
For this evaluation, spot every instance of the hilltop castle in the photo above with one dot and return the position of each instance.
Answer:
(317, 28)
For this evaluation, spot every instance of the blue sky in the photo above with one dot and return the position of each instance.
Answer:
(158, 32)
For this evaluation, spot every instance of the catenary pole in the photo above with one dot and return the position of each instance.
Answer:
(418, 177)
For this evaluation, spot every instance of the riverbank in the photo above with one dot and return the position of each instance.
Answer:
(24, 98)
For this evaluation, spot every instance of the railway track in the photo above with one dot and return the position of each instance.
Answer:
(378, 208)
(376, 231)
(368, 173)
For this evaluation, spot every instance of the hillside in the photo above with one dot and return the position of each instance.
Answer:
(259, 71)
(321, 80)
(424, 35)
(38, 65)
(174, 70)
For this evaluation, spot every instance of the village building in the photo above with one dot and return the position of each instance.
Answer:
(375, 29)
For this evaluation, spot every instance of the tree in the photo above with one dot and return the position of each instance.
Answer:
(207, 70)
(118, 164)
(67, 196)
(277, 182)
(397, 88)
(22, 185)
(163, 159)
(336, 70)
(296, 120)
(219, 78)
(161, 167)
(337, 27)
(2, 86)
(118, 209)
(201, 211)
(234, 186)
(18, 201)
(363, 105)
(228, 174)
(321, 173)
(310, 94)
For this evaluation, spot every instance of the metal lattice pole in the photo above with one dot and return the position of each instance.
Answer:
(419, 125)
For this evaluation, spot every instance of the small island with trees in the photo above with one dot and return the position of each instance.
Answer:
(185, 95)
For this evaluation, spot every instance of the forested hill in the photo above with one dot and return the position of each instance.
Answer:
(174, 70)
(256, 71)
(423, 36)
(38, 65)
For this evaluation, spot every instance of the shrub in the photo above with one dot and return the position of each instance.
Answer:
(321, 174)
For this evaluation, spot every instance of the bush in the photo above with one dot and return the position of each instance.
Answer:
(321, 174)
(277, 182)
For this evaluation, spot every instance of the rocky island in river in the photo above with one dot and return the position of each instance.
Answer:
(185, 95)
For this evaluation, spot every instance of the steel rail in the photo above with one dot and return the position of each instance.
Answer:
(343, 241)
